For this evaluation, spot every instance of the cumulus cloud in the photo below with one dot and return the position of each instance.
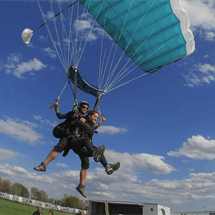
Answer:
(200, 74)
(7, 154)
(116, 187)
(20, 130)
(18, 68)
(202, 16)
(196, 147)
(141, 161)
(108, 129)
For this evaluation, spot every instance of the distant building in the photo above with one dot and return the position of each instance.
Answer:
(99, 207)
(194, 213)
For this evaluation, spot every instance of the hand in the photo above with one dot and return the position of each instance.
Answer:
(56, 104)
(101, 116)
(82, 120)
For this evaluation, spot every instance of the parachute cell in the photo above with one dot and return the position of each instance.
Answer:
(152, 33)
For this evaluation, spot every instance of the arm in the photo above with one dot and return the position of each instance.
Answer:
(62, 116)
(102, 120)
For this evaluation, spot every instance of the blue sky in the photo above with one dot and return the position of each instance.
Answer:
(160, 127)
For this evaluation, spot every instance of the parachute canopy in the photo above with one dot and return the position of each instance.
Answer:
(153, 33)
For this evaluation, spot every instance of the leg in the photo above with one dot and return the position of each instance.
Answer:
(109, 168)
(52, 155)
(96, 152)
(83, 173)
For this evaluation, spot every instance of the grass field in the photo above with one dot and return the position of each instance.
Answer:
(13, 208)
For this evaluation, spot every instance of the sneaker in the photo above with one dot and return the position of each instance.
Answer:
(80, 189)
(41, 167)
(97, 154)
(110, 168)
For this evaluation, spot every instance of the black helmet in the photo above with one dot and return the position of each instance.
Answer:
(82, 103)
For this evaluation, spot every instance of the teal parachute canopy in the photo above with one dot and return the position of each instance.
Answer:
(153, 33)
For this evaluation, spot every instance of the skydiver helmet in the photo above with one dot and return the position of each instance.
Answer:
(82, 103)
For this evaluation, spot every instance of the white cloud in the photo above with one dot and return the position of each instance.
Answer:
(196, 147)
(7, 154)
(141, 161)
(50, 52)
(200, 74)
(87, 29)
(108, 129)
(19, 69)
(20, 130)
(202, 16)
(210, 36)
(116, 187)
(61, 165)
(45, 121)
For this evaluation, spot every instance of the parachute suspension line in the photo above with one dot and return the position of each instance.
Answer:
(158, 49)
(107, 62)
(56, 31)
(46, 21)
(62, 91)
(75, 48)
(74, 41)
(101, 70)
(70, 40)
(110, 69)
(90, 33)
(119, 78)
(75, 100)
(111, 72)
(82, 37)
(119, 60)
(141, 63)
(114, 70)
(64, 36)
(102, 66)
(119, 73)
(128, 81)
(100, 79)
(41, 11)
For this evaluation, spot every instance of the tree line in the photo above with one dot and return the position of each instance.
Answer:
(18, 189)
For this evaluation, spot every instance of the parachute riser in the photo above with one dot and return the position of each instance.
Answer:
(99, 98)
(75, 83)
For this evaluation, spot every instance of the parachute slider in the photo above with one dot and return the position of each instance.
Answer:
(73, 73)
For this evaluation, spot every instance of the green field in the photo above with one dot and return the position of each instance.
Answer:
(13, 208)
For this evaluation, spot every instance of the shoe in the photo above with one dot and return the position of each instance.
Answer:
(97, 154)
(80, 189)
(41, 167)
(110, 168)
